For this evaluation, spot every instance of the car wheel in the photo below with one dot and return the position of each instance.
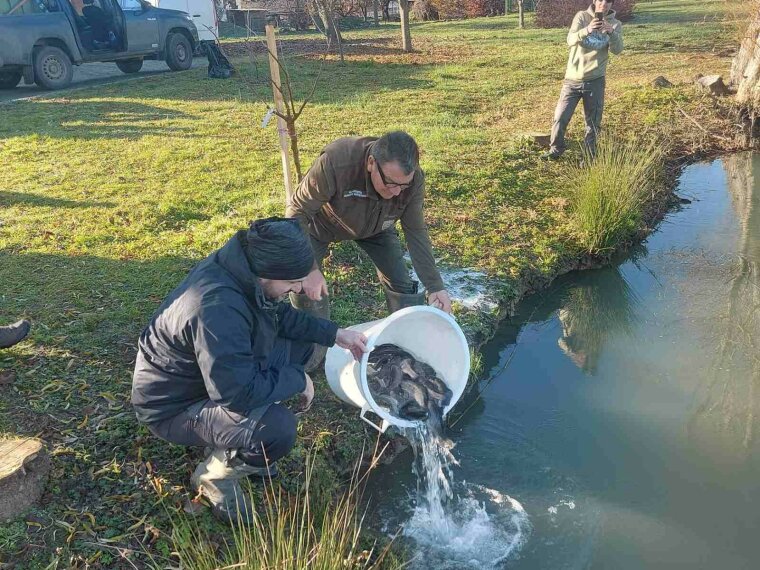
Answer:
(130, 65)
(52, 68)
(9, 79)
(179, 52)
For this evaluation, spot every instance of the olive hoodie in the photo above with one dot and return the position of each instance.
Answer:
(588, 63)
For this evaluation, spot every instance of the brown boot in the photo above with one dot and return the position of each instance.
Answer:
(396, 301)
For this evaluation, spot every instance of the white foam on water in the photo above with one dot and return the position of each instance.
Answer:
(479, 528)
(554, 509)
(471, 288)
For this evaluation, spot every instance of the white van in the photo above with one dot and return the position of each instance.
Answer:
(203, 13)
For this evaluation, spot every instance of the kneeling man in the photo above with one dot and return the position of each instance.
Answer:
(222, 352)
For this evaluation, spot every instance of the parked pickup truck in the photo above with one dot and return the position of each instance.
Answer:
(41, 40)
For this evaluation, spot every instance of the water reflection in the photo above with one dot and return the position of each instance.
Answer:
(729, 405)
(598, 306)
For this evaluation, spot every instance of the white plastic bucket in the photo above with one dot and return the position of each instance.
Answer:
(427, 333)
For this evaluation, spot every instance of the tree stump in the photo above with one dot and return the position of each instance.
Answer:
(24, 468)
(541, 139)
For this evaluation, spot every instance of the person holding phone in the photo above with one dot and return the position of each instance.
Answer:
(594, 33)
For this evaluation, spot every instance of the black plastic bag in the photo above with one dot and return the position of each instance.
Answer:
(219, 67)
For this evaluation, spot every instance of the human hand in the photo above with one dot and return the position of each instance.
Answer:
(315, 286)
(440, 300)
(306, 397)
(607, 28)
(595, 25)
(354, 341)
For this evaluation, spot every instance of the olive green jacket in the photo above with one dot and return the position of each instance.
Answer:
(584, 63)
(336, 201)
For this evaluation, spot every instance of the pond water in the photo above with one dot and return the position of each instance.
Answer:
(617, 424)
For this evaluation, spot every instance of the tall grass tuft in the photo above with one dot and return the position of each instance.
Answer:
(286, 532)
(609, 191)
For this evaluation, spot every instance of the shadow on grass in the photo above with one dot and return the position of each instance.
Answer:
(81, 118)
(91, 305)
(112, 116)
(10, 198)
(666, 16)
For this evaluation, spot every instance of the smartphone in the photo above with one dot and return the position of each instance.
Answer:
(599, 15)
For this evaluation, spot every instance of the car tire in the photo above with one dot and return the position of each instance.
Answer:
(179, 52)
(130, 65)
(9, 79)
(52, 68)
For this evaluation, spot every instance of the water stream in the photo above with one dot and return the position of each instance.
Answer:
(620, 430)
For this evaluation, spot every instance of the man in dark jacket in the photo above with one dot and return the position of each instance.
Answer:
(222, 352)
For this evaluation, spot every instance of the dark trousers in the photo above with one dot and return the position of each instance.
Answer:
(264, 434)
(592, 94)
(385, 251)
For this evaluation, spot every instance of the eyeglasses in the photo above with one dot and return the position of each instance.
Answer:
(390, 183)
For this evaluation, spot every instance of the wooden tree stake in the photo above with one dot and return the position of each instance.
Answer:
(282, 128)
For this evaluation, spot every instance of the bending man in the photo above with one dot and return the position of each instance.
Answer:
(357, 189)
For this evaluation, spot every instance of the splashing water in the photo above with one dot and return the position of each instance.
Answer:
(481, 529)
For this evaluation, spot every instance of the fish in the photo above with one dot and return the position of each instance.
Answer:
(406, 387)
(414, 392)
(413, 411)
(408, 369)
(388, 403)
(437, 390)
(423, 369)
(396, 377)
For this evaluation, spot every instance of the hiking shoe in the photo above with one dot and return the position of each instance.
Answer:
(270, 472)
(13, 334)
(218, 479)
(551, 155)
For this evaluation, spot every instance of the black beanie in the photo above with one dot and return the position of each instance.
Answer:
(279, 249)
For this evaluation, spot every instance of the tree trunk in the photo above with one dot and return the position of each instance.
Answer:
(331, 29)
(521, 13)
(406, 34)
(376, 7)
(316, 18)
(745, 78)
(745, 68)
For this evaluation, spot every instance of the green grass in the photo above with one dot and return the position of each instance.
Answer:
(610, 191)
(288, 532)
(109, 195)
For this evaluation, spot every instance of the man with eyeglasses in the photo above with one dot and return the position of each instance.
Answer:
(593, 34)
(357, 189)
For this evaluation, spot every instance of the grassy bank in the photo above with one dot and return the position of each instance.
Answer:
(109, 195)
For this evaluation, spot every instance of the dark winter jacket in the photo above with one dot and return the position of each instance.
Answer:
(211, 337)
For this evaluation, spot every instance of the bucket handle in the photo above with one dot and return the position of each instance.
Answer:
(381, 428)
